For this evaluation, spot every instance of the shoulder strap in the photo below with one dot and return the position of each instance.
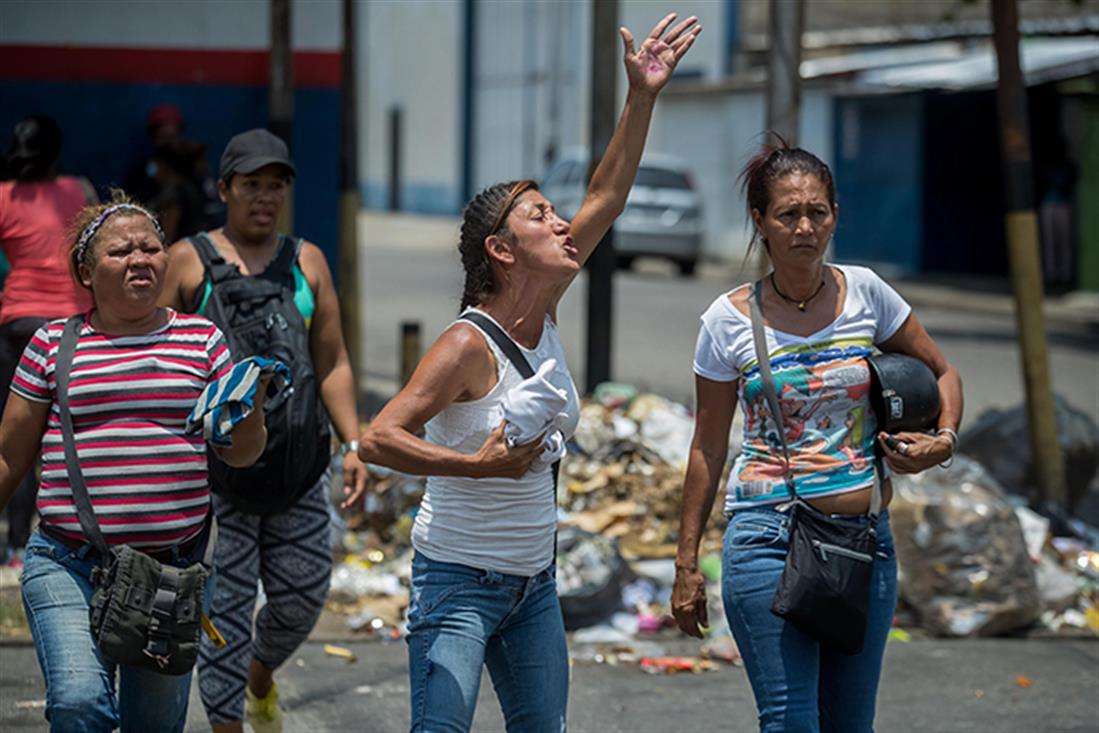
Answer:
(282, 266)
(501, 339)
(207, 250)
(763, 359)
(83, 502)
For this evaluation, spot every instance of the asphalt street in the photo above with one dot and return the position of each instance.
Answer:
(416, 276)
(928, 685)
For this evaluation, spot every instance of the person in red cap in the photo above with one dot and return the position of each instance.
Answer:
(173, 178)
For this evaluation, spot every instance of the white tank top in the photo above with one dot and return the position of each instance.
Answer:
(500, 524)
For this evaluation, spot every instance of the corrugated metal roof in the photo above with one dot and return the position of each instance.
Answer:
(1042, 60)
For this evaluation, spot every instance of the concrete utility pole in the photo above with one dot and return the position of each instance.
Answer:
(350, 202)
(786, 21)
(604, 70)
(786, 18)
(1022, 244)
(280, 100)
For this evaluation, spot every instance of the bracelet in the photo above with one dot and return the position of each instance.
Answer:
(351, 446)
(953, 438)
(953, 445)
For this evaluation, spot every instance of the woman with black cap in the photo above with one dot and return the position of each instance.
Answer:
(282, 539)
(35, 207)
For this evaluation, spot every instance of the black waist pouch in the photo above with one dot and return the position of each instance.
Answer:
(825, 586)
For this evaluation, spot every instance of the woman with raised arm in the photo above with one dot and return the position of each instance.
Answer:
(820, 323)
(483, 588)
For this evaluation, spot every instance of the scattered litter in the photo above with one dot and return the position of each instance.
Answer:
(896, 634)
(674, 665)
(339, 651)
(722, 648)
(1023, 681)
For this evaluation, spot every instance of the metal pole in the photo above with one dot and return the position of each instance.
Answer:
(350, 202)
(1022, 241)
(281, 92)
(785, 22)
(410, 349)
(604, 72)
(395, 158)
(469, 106)
(787, 18)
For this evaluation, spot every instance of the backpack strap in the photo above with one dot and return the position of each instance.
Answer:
(217, 269)
(281, 268)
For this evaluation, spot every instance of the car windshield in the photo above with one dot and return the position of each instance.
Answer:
(661, 178)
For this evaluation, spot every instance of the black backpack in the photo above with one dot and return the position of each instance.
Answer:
(258, 317)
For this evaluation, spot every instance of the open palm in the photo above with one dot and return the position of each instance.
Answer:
(649, 67)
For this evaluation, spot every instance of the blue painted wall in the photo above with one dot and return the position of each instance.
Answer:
(879, 181)
(104, 128)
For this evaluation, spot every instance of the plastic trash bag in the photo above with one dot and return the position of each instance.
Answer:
(590, 576)
(964, 565)
(999, 439)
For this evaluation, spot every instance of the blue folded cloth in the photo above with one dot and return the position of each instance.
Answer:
(231, 397)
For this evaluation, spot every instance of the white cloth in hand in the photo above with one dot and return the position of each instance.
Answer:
(534, 407)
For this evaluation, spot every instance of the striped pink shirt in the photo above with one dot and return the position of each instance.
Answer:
(130, 397)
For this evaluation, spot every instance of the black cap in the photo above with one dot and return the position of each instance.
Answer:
(250, 151)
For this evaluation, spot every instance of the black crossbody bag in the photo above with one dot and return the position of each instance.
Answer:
(825, 586)
(143, 613)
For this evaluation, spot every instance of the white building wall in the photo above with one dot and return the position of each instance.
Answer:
(410, 55)
(533, 75)
(203, 24)
(716, 133)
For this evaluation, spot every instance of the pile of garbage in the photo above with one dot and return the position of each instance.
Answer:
(618, 496)
(623, 476)
(976, 557)
(980, 554)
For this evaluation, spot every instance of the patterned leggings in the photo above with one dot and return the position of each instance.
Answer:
(292, 553)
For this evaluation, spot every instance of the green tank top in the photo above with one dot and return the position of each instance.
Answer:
(303, 296)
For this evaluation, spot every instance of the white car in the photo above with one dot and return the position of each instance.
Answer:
(663, 215)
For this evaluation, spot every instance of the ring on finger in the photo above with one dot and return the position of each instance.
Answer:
(902, 448)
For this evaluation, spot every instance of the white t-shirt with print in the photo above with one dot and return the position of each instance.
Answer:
(823, 385)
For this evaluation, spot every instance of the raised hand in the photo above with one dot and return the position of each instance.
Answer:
(649, 67)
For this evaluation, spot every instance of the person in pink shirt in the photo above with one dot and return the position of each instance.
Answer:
(36, 206)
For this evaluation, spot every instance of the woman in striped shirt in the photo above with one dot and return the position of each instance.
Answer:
(137, 372)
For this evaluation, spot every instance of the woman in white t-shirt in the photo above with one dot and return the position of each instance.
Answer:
(821, 322)
(483, 590)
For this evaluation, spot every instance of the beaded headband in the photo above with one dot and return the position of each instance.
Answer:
(90, 231)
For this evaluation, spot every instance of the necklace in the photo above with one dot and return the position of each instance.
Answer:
(800, 303)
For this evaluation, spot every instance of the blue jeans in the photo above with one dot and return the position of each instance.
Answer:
(80, 682)
(800, 685)
(461, 618)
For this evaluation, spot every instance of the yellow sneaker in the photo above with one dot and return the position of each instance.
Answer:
(263, 712)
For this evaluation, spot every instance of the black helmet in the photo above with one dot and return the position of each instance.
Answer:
(904, 393)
